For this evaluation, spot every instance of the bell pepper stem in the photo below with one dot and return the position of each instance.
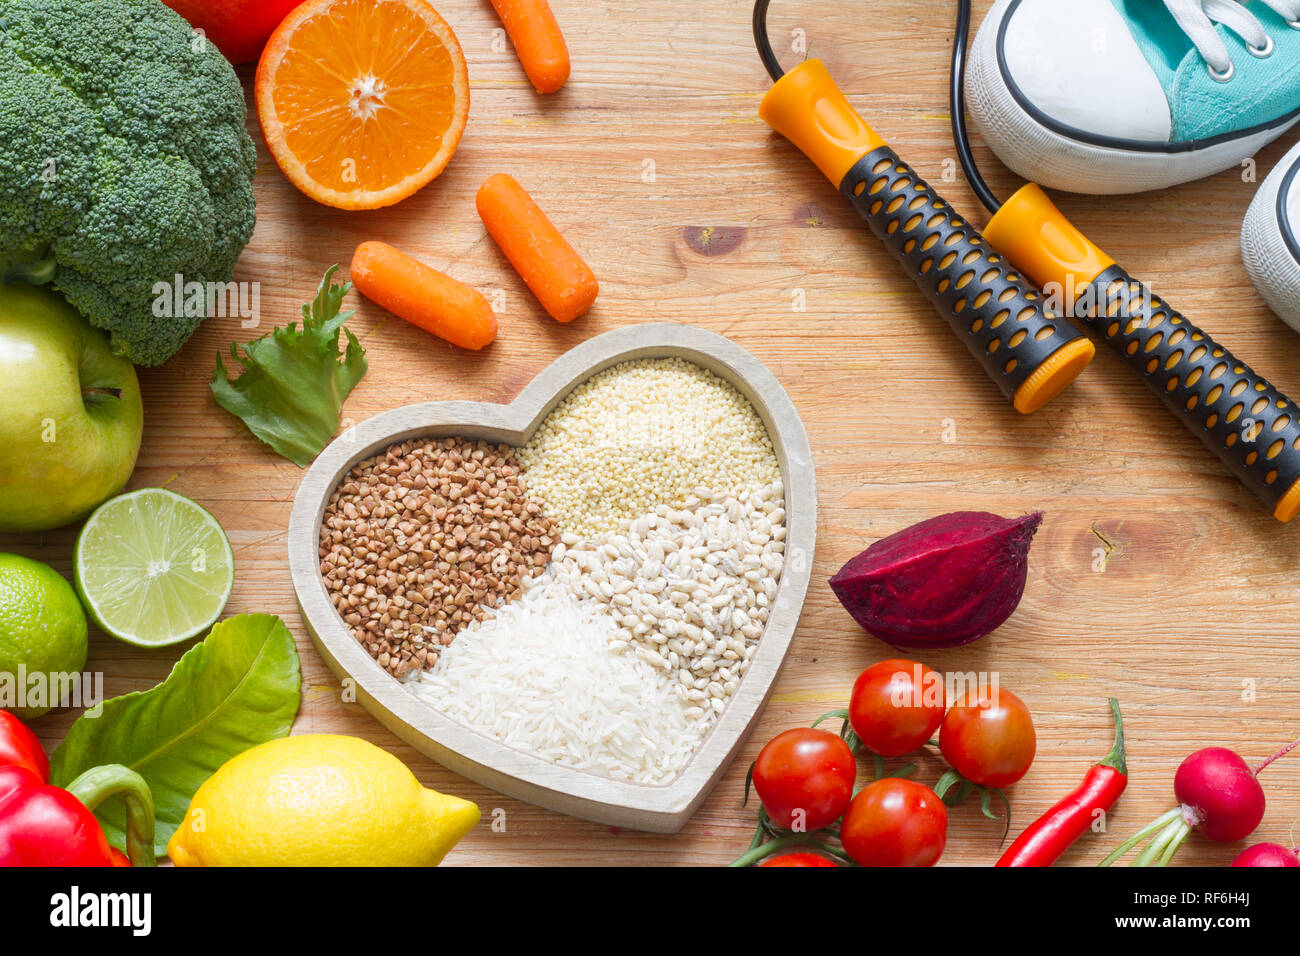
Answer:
(114, 780)
(1116, 757)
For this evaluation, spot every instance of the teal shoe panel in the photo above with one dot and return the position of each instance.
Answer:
(1262, 91)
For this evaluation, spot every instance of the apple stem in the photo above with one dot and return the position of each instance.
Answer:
(97, 392)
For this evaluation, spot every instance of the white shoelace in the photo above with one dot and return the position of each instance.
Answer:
(1196, 18)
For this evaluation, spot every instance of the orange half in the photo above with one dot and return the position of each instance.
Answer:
(362, 102)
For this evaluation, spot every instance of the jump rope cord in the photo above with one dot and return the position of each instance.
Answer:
(764, 42)
(957, 109)
(956, 96)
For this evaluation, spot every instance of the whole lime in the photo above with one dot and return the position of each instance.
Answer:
(42, 631)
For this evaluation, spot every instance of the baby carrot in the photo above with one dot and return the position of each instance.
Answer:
(562, 282)
(539, 44)
(423, 296)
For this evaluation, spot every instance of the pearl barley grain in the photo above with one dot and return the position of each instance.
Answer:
(641, 435)
(698, 611)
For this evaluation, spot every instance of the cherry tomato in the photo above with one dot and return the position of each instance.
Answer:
(895, 822)
(805, 778)
(797, 859)
(988, 737)
(896, 706)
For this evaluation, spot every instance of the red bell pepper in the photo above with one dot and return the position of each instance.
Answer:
(44, 825)
(1052, 834)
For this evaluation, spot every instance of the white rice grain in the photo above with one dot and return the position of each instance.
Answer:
(544, 675)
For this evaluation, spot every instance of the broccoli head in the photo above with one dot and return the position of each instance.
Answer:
(124, 162)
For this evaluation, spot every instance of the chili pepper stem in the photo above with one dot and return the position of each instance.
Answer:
(752, 856)
(1158, 823)
(1117, 758)
(111, 780)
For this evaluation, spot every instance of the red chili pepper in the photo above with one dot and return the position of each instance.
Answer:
(1053, 833)
(44, 825)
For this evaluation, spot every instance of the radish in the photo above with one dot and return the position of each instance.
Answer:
(1218, 794)
(1267, 854)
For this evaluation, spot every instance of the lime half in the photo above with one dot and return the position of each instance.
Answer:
(153, 568)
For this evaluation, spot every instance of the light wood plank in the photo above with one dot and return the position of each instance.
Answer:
(1197, 598)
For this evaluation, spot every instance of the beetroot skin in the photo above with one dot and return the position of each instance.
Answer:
(943, 582)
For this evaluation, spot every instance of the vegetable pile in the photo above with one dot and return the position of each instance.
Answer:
(805, 777)
(133, 169)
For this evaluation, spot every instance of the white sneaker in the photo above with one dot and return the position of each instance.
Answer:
(1270, 239)
(1115, 96)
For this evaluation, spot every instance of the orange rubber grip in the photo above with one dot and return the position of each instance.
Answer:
(1029, 354)
(1251, 426)
(807, 108)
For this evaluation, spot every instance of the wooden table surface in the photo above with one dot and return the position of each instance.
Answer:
(1155, 577)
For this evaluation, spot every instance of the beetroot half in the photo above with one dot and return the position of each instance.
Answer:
(943, 582)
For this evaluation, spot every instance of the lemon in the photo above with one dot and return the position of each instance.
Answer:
(42, 629)
(318, 800)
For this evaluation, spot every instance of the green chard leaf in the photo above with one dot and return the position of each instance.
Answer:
(238, 688)
(295, 379)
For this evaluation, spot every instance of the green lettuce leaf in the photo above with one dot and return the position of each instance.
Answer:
(294, 382)
(237, 688)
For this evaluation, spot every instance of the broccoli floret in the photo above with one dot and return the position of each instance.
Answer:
(124, 158)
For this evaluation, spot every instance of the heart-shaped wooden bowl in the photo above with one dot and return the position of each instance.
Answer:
(659, 809)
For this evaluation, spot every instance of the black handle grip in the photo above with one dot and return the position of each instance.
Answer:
(1248, 423)
(990, 307)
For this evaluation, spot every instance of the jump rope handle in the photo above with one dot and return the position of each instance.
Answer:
(1031, 353)
(1249, 424)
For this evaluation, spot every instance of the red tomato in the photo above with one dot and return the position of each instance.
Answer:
(896, 706)
(988, 738)
(895, 822)
(797, 859)
(805, 778)
(239, 28)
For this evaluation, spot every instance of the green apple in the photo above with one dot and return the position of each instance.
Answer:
(72, 415)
